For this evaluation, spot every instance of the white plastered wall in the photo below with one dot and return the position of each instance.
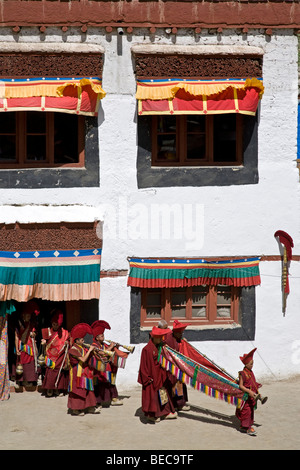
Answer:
(227, 221)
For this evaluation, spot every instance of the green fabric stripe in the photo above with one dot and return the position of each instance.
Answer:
(232, 273)
(7, 308)
(50, 275)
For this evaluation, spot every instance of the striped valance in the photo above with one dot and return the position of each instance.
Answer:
(161, 273)
(68, 95)
(184, 96)
(50, 275)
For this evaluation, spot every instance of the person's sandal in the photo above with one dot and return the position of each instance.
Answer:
(251, 432)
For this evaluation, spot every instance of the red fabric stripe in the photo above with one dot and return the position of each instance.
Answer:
(155, 105)
(68, 102)
(223, 102)
(172, 283)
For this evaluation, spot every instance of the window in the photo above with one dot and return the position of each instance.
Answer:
(41, 139)
(197, 140)
(198, 305)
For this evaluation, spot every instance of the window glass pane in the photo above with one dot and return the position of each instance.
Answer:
(166, 148)
(36, 147)
(66, 138)
(199, 312)
(224, 301)
(199, 294)
(153, 307)
(196, 137)
(225, 138)
(166, 124)
(8, 137)
(195, 147)
(7, 123)
(195, 124)
(178, 302)
(35, 136)
(7, 148)
(224, 295)
(223, 312)
(154, 298)
(153, 312)
(166, 138)
(36, 122)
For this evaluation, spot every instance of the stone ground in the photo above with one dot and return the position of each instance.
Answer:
(29, 421)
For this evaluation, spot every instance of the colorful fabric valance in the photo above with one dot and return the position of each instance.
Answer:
(67, 95)
(178, 96)
(160, 273)
(50, 275)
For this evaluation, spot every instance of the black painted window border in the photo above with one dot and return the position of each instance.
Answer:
(39, 178)
(243, 332)
(148, 176)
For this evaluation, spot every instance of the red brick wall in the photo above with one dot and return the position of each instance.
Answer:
(184, 13)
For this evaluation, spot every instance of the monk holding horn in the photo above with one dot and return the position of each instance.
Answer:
(81, 398)
(105, 377)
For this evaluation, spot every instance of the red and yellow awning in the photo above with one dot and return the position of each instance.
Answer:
(176, 96)
(68, 95)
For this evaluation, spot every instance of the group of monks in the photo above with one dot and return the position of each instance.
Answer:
(163, 395)
(87, 373)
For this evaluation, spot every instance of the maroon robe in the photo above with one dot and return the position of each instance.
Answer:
(246, 413)
(58, 376)
(179, 390)
(104, 390)
(153, 377)
(80, 397)
(27, 359)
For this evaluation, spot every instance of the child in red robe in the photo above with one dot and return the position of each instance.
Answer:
(154, 380)
(248, 384)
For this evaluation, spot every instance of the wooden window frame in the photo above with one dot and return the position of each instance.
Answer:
(181, 143)
(211, 308)
(21, 136)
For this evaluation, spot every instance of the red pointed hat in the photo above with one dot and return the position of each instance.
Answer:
(177, 326)
(31, 307)
(80, 330)
(99, 326)
(57, 316)
(159, 331)
(247, 357)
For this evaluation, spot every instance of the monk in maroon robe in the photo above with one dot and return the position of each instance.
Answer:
(106, 392)
(179, 390)
(156, 401)
(26, 349)
(81, 397)
(248, 384)
(56, 341)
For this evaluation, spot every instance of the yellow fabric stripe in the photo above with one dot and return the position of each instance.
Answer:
(49, 89)
(154, 91)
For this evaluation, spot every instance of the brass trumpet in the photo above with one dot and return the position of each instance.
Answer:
(129, 348)
(261, 398)
(108, 353)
